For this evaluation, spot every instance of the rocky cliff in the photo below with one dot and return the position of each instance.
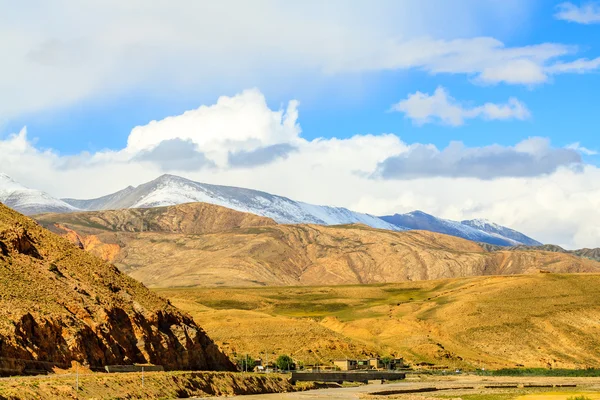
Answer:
(60, 304)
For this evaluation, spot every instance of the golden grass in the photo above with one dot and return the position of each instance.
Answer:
(543, 320)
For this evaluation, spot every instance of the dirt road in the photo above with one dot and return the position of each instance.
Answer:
(551, 388)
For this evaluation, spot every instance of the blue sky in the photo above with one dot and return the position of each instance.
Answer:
(563, 109)
(462, 108)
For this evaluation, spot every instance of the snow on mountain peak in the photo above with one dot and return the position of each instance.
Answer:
(29, 201)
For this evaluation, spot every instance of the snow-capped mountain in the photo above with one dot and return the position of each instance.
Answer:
(476, 230)
(493, 228)
(29, 201)
(108, 202)
(171, 190)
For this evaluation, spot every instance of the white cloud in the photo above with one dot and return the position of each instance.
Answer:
(554, 204)
(583, 150)
(580, 66)
(587, 13)
(531, 157)
(423, 108)
(107, 48)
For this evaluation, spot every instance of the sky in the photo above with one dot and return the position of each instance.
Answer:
(463, 108)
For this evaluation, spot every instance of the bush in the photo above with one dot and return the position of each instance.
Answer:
(245, 363)
(285, 363)
(386, 361)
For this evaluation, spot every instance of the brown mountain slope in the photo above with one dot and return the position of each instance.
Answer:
(60, 304)
(537, 320)
(190, 218)
(302, 255)
(592, 254)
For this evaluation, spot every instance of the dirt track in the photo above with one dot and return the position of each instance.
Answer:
(454, 388)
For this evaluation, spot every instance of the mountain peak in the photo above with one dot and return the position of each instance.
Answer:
(419, 213)
(29, 201)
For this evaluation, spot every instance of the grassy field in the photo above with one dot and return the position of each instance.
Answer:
(535, 321)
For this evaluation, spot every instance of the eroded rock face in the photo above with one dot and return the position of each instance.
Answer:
(59, 304)
(17, 239)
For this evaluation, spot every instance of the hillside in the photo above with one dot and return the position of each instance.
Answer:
(540, 320)
(191, 218)
(59, 304)
(592, 254)
(289, 254)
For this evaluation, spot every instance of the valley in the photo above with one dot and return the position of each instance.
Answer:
(539, 320)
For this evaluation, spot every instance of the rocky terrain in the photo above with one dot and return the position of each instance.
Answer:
(59, 305)
(205, 252)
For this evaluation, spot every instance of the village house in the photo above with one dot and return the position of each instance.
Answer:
(370, 363)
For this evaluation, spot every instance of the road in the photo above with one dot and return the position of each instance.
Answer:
(347, 393)
(466, 384)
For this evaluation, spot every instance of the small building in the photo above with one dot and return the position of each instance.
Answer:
(397, 363)
(374, 363)
(346, 365)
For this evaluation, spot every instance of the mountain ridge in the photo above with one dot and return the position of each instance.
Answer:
(476, 230)
(300, 254)
(170, 190)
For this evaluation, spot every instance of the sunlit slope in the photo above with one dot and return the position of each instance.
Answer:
(59, 304)
(206, 245)
(538, 320)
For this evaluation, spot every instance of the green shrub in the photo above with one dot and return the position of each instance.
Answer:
(285, 363)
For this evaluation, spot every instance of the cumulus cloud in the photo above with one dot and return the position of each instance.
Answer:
(260, 156)
(531, 157)
(587, 13)
(423, 108)
(176, 155)
(107, 48)
(539, 195)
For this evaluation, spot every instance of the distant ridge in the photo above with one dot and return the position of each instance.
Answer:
(171, 190)
(199, 244)
(168, 190)
(476, 230)
(592, 254)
